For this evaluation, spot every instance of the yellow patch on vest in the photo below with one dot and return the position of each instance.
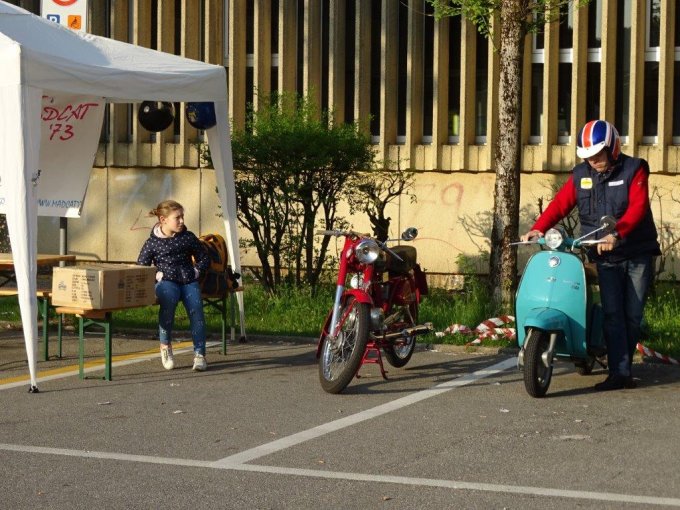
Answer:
(586, 183)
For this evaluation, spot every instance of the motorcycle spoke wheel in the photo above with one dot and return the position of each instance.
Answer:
(399, 352)
(340, 360)
(536, 375)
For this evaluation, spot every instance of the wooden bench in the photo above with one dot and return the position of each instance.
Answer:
(103, 318)
(44, 296)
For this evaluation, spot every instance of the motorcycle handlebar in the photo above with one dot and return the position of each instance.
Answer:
(339, 233)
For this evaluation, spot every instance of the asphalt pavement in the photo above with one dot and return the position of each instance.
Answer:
(452, 429)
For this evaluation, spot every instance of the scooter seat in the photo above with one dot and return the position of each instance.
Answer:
(408, 254)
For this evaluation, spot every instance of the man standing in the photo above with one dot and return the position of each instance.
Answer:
(609, 182)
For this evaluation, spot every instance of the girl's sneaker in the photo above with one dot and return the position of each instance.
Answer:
(167, 358)
(200, 365)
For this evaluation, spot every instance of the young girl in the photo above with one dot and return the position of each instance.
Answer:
(170, 248)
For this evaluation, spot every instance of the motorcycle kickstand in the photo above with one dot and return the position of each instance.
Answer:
(371, 347)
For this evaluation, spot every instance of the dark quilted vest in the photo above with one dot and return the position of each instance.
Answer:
(598, 195)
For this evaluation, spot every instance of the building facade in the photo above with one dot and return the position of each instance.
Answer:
(423, 88)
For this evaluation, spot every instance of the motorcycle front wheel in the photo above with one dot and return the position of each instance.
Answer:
(399, 352)
(340, 360)
(536, 375)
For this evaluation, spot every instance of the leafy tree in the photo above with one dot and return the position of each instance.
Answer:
(375, 190)
(4, 235)
(291, 169)
(512, 20)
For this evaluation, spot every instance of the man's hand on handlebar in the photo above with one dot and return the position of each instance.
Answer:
(608, 243)
(531, 235)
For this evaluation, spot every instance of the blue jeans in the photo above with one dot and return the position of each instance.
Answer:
(169, 294)
(623, 290)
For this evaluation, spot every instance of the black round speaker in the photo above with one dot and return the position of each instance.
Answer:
(155, 116)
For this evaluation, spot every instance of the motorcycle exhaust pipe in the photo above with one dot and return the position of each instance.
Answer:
(407, 332)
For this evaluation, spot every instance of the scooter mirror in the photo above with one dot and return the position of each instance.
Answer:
(409, 234)
(607, 223)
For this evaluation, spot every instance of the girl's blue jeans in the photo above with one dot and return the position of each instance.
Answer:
(169, 294)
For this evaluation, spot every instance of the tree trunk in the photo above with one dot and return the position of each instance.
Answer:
(507, 157)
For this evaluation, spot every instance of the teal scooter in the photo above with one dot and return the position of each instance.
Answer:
(557, 309)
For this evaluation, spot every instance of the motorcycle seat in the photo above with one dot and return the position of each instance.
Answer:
(408, 255)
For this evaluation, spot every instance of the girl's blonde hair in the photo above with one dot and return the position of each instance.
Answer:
(165, 208)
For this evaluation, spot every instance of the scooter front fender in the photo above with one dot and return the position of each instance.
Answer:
(546, 319)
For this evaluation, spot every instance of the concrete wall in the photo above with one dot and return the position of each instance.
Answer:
(453, 213)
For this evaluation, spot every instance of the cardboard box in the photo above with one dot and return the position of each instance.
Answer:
(100, 286)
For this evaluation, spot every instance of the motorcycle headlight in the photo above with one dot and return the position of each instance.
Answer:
(553, 238)
(367, 251)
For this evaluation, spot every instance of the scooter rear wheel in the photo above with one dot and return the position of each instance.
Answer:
(536, 375)
(340, 360)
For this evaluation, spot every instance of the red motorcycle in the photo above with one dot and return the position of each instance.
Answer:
(376, 308)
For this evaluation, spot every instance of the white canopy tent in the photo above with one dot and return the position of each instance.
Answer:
(45, 63)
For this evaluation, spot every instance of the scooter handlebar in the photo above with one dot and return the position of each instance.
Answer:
(534, 241)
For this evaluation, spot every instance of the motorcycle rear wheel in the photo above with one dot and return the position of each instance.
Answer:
(338, 365)
(536, 375)
(399, 352)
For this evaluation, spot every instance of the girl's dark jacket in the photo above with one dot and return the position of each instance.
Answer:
(181, 258)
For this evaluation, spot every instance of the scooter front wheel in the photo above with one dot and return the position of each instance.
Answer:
(341, 357)
(537, 375)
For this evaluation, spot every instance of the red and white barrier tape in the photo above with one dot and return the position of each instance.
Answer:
(646, 351)
(488, 329)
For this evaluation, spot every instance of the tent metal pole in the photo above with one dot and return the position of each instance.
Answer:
(63, 238)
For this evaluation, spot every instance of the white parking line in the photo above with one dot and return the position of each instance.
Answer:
(359, 477)
(238, 461)
(326, 428)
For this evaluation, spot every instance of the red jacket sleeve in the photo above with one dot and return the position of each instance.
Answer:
(638, 203)
(559, 207)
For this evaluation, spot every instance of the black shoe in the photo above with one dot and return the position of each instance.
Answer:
(615, 382)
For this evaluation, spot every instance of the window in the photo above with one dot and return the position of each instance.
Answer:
(563, 102)
(376, 64)
(564, 71)
(402, 73)
(325, 54)
(454, 79)
(350, 31)
(650, 115)
(300, 47)
(623, 47)
(594, 60)
(428, 69)
(536, 101)
(676, 78)
(274, 84)
(481, 81)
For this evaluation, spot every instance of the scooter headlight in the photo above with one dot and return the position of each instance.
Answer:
(554, 238)
(367, 251)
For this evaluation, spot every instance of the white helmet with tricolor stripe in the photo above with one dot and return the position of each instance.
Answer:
(595, 136)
